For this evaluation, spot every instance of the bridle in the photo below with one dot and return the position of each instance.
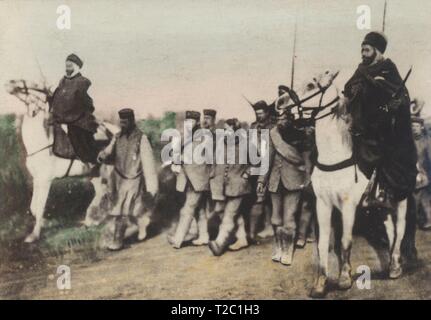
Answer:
(314, 117)
(314, 110)
(24, 89)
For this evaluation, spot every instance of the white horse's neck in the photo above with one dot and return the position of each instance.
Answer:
(34, 133)
(332, 140)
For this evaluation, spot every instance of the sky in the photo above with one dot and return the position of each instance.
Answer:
(164, 55)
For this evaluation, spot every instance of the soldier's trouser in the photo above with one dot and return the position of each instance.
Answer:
(423, 205)
(227, 226)
(187, 213)
(205, 210)
(258, 210)
(284, 206)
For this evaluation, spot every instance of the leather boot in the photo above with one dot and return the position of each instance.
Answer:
(180, 233)
(267, 231)
(287, 245)
(219, 245)
(255, 213)
(241, 236)
(120, 225)
(193, 231)
(276, 251)
(204, 237)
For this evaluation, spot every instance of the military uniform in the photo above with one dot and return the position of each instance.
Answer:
(71, 105)
(261, 203)
(422, 192)
(193, 179)
(284, 180)
(229, 183)
(134, 176)
(206, 207)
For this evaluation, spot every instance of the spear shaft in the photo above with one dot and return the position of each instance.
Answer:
(384, 17)
(293, 57)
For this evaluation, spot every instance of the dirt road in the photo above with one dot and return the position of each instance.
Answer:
(154, 270)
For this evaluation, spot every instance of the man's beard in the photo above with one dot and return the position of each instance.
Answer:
(69, 72)
(369, 60)
(127, 129)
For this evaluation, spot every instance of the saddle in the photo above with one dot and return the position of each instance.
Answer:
(63, 146)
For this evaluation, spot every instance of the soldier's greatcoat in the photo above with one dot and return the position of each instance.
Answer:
(423, 147)
(134, 171)
(230, 179)
(286, 165)
(193, 174)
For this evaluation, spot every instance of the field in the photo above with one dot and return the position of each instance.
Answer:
(152, 269)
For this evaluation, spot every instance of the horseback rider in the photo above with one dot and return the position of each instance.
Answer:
(383, 144)
(72, 109)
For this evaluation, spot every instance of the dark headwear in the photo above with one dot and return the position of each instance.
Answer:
(210, 112)
(233, 122)
(376, 40)
(193, 115)
(260, 105)
(417, 120)
(74, 58)
(126, 113)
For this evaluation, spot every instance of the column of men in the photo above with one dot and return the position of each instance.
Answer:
(227, 190)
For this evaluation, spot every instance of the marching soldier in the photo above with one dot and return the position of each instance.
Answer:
(134, 178)
(193, 179)
(381, 129)
(285, 180)
(229, 182)
(422, 192)
(209, 122)
(261, 202)
(73, 109)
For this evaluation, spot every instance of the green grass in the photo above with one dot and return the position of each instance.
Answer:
(67, 202)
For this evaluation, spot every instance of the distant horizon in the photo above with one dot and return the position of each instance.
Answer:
(158, 56)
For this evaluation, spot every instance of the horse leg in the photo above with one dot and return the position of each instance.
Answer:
(395, 268)
(324, 213)
(37, 207)
(348, 216)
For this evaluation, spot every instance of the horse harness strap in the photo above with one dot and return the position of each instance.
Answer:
(122, 175)
(40, 150)
(68, 169)
(339, 166)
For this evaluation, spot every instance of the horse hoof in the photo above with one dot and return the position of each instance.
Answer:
(320, 289)
(395, 272)
(31, 238)
(345, 282)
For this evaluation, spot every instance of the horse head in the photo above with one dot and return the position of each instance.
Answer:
(33, 95)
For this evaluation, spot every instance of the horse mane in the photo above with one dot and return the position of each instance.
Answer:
(343, 121)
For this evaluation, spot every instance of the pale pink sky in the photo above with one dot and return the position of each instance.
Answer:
(160, 55)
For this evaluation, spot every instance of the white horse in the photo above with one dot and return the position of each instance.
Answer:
(341, 186)
(42, 164)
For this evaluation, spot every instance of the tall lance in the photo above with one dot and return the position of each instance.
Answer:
(293, 56)
(384, 17)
